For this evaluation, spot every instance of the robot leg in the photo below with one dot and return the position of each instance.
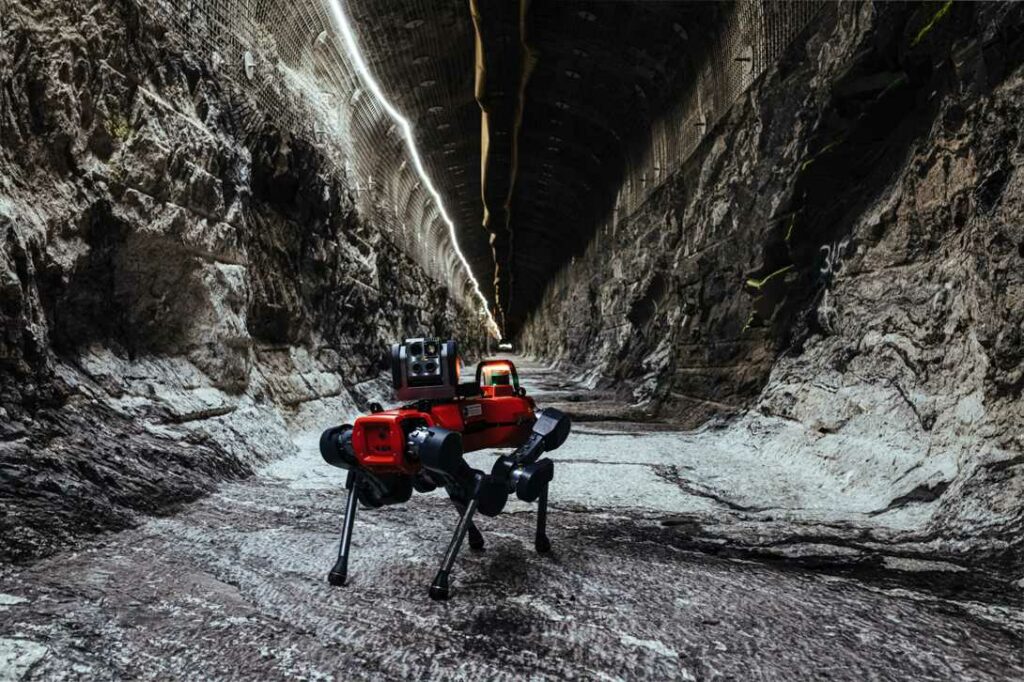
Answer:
(540, 539)
(339, 573)
(476, 539)
(439, 590)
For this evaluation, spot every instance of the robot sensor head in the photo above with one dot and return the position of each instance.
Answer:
(425, 369)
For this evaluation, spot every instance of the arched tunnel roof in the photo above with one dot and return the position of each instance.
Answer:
(558, 130)
(526, 114)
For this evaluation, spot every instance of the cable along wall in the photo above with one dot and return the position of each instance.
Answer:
(302, 79)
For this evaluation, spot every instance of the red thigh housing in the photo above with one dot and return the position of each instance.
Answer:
(379, 440)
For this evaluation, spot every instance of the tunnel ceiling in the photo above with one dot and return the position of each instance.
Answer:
(423, 55)
(569, 89)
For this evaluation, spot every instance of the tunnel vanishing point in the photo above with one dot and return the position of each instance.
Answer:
(768, 255)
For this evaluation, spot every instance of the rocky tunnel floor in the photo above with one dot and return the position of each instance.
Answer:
(234, 585)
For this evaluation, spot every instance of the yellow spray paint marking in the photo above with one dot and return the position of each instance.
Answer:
(759, 283)
(936, 18)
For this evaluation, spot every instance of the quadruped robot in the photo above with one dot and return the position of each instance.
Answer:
(420, 446)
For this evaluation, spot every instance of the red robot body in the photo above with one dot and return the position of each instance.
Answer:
(420, 446)
(379, 440)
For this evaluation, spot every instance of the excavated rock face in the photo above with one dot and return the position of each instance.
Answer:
(175, 290)
(837, 268)
(842, 255)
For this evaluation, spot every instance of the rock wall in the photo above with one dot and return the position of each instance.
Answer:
(844, 254)
(177, 291)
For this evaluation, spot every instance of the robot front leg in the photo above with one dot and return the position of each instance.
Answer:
(476, 539)
(439, 590)
(440, 451)
(339, 573)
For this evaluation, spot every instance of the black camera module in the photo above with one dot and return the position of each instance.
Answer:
(425, 369)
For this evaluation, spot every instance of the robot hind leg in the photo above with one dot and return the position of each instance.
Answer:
(540, 539)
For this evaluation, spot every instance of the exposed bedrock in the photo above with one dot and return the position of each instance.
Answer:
(830, 287)
(838, 270)
(178, 287)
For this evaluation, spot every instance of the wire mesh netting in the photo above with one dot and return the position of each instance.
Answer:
(293, 63)
(752, 39)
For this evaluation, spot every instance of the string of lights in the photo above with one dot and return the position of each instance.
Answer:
(355, 54)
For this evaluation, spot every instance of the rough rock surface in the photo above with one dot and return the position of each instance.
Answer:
(840, 265)
(831, 288)
(175, 290)
(234, 587)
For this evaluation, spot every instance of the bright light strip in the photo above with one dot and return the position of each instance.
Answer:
(352, 48)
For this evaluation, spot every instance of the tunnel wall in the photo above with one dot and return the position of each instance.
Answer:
(751, 38)
(179, 291)
(288, 60)
(841, 256)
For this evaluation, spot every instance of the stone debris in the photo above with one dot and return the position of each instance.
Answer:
(17, 657)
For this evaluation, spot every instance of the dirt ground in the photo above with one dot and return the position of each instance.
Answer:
(234, 586)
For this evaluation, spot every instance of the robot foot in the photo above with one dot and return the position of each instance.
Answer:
(542, 544)
(439, 590)
(337, 577)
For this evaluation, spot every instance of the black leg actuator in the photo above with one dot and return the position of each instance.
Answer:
(339, 574)
(476, 539)
(439, 589)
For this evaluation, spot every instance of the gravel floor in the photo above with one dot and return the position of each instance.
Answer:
(234, 587)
